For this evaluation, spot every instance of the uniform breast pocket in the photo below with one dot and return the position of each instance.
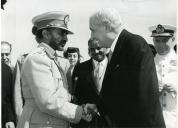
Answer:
(57, 79)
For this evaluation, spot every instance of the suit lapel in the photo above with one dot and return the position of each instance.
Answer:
(115, 59)
(90, 77)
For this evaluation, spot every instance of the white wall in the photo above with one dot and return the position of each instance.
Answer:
(137, 16)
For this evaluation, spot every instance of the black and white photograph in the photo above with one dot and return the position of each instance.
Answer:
(89, 64)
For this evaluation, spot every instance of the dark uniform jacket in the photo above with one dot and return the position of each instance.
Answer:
(8, 114)
(129, 95)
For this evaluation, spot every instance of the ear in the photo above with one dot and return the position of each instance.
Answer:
(173, 38)
(107, 28)
(45, 34)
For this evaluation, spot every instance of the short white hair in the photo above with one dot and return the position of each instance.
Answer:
(108, 17)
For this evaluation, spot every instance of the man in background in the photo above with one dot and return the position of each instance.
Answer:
(8, 117)
(166, 65)
(6, 49)
(87, 78)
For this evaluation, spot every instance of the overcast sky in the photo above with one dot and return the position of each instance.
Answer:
(137, 16)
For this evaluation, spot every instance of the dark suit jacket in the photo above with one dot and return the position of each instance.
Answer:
(129, 94)
(86, 91)
(7, 93)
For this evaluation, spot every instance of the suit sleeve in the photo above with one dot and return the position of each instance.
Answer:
(50, 100)
(75, 77)
(10, 110)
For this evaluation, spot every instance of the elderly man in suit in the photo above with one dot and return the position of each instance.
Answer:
(129, 94)
(44, 83)
(88, 77)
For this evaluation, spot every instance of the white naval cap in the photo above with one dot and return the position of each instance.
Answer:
(162, 30)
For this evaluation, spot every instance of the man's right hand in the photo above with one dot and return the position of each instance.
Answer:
(89, 111)
(85, 115)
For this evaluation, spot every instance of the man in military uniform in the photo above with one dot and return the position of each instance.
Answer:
(165, 60)
(44, 83)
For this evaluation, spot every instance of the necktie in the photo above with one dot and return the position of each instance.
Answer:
(98, 75)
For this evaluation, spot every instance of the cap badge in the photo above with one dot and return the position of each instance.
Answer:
(66, 19)
(160, 29)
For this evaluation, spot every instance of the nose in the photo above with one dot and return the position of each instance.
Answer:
(65, 37)
(91, 36)
(96, 51)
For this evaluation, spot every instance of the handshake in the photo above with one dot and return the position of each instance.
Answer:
(89, 111)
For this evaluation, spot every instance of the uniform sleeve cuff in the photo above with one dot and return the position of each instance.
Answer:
(79, 112)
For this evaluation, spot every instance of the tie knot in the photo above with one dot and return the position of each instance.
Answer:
(99, 63)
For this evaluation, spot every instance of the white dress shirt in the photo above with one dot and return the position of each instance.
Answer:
(115, 41)
(102, 68)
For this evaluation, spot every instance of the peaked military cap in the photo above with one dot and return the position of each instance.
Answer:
(57, 19)
(162, 30)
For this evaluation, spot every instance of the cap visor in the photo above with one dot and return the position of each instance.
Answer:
(162, 34)
(68, 31)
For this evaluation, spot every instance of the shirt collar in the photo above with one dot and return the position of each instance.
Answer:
(115, 41)
(171, 54)
(103, 62)
(59, 53)
(48, 49)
